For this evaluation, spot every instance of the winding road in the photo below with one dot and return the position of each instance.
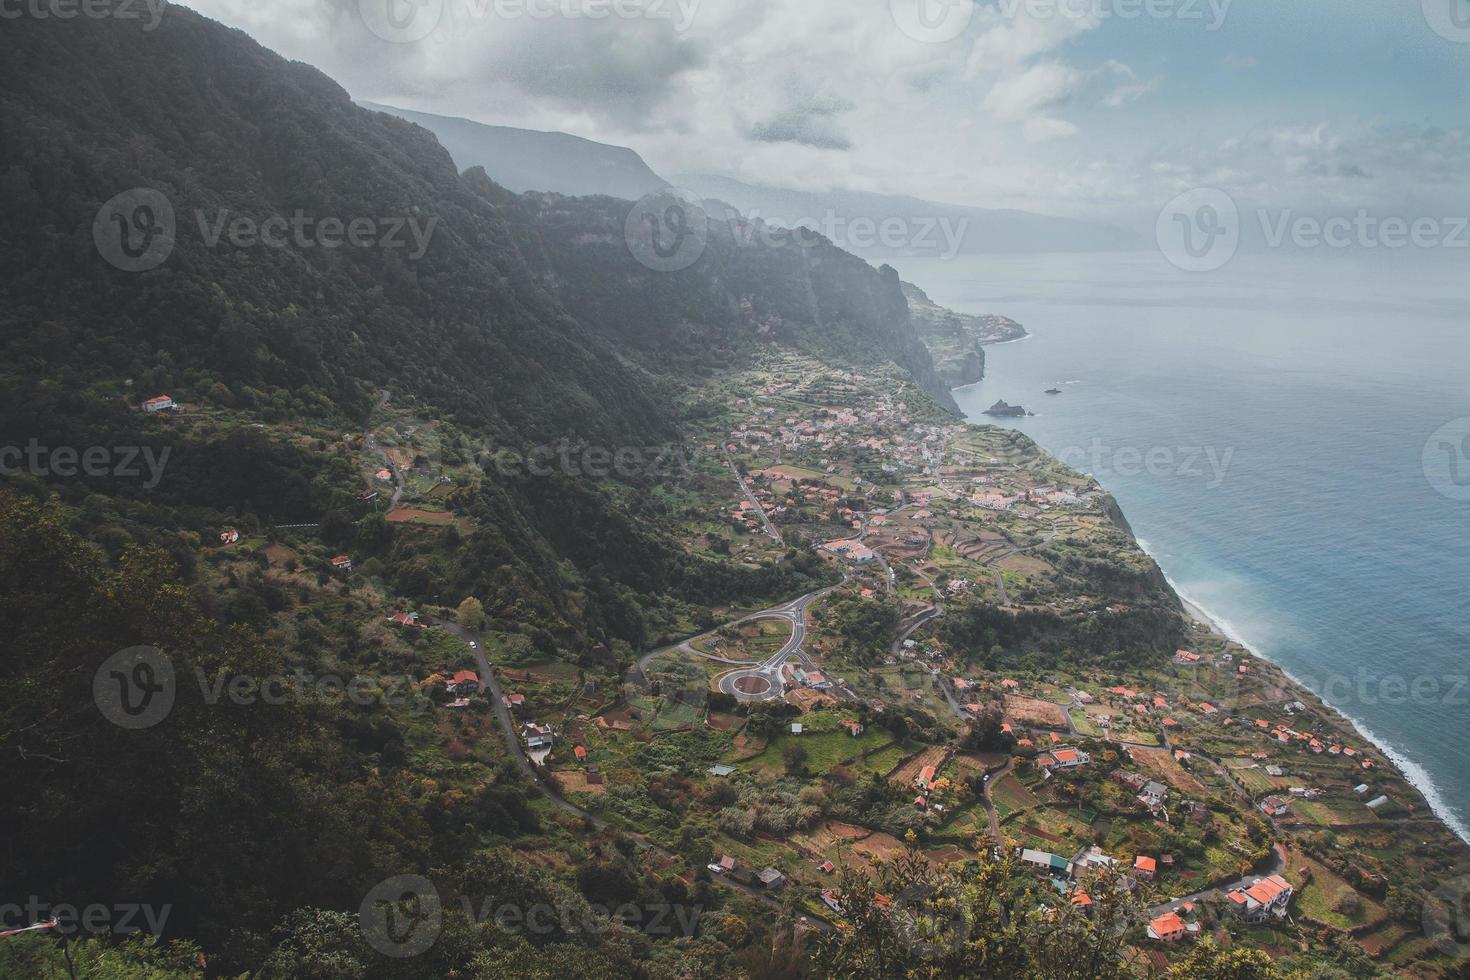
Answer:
(768, 670)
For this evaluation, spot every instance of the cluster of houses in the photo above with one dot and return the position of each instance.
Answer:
(853, 551)
(1262, 899)
(813, 679)
(1254, 904)
(1150, 792)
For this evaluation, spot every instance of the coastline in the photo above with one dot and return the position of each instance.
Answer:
(1409, 770)
(1412, 772)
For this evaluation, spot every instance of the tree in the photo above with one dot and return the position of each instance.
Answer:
(986, 919)
(1207, 961)
(470, 614)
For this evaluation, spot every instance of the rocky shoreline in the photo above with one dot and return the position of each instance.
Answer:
(956, 341)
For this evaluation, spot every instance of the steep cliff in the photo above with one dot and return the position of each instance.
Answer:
(956, 340)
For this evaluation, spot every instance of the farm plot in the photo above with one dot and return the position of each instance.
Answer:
(1161, 763)
(909, 771)
(1022, 710)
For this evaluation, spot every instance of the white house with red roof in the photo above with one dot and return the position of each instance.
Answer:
(1063, 758)
(159, 403)
(1263, 898)
(1167, 928)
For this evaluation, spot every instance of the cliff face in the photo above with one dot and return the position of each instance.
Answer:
(955, 340)
(749, 285)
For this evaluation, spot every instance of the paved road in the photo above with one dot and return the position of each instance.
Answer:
(793, 612)
(489, 683)
(734, 471)
(990, 810)
(1278, 861)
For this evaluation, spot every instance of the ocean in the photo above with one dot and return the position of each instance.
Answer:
(1290, 439)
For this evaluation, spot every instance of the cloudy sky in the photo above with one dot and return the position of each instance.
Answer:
(1088, 108)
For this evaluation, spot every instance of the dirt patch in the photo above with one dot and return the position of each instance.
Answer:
(808, 700)
(1161, 763)
(576, 782)
(414, 515)
(752, 685)
(1036, 831)
(278, 555)
(909, 771)
(982, 761)
(880, 846)
(409, 515)
(1021, 710)
(722, 722)
(948, 854)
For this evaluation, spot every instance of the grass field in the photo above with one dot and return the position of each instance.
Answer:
(1009, 795)
(1085, 725)
(883, 760)
(1321, 897)
(676, 714)
(1333, 813)
(1254, 780)
(823, 750)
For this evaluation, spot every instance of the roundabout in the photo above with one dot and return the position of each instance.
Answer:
(754, 684)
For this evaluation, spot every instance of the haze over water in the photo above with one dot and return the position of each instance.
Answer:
(1264, 429)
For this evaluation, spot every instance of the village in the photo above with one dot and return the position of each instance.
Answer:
(843, 727)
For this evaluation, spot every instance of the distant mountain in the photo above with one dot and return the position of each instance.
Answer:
(856, 220)
(531, 160)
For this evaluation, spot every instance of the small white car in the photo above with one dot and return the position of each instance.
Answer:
(715, 869)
